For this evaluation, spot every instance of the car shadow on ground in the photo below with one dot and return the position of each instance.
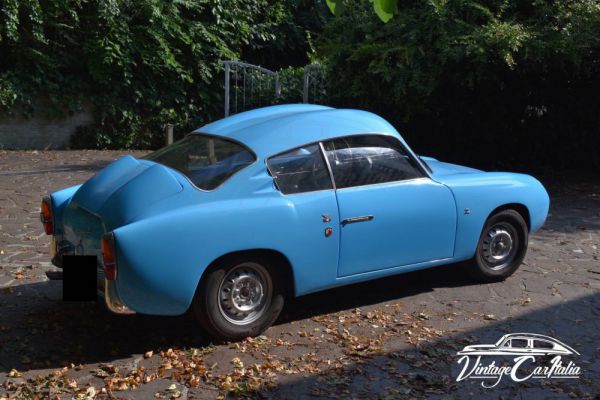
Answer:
(376, 291)
(430, 368)
(39, 330)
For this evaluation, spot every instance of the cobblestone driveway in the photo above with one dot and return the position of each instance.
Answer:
(391, 338)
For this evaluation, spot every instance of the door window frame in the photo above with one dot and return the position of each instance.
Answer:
(328, 169)
(407, 152)
(418, 164)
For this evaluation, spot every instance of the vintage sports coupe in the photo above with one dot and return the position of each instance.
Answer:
(284, 201)
(520, 344)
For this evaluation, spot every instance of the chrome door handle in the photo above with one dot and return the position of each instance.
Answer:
(354, 220)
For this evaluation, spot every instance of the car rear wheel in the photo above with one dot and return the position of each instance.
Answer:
(501, 247)
(240, 297)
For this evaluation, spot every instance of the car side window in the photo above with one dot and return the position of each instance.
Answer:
(368, 159)
(542, 344)
(300, 170)
(519, 343)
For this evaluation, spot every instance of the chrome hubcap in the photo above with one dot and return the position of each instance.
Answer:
(498, 244)
(244, 293)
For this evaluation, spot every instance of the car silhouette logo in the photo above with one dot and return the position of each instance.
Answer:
(520, 344)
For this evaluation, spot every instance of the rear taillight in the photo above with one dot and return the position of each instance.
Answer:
(109, 257)
(46, 215)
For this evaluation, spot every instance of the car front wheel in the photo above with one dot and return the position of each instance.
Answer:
(241, 297)
(501, 247)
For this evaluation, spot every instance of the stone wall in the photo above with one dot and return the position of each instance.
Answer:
(40, 133)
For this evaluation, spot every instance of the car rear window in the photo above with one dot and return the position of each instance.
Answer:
(208, 161)
(542, 344)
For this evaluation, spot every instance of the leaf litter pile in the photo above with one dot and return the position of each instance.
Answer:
(383, 353)
(332, 350)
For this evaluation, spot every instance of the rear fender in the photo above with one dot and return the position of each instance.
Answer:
(60, 200)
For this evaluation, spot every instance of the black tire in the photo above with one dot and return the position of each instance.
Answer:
(484, 267)
(221, 316)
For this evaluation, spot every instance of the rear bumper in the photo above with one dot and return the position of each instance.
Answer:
(107, 290)
(112, 299)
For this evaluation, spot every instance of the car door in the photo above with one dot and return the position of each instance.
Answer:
(391, 213)
(309, 234)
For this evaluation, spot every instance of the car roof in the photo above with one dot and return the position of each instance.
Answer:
(529, 336)
(271, 130)
(536, 336)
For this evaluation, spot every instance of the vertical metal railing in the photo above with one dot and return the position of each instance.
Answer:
(313, 84)
(257, 86)
(250, 86)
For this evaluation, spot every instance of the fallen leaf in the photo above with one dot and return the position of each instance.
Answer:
(90, 391)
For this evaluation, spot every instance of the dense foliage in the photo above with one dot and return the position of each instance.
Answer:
(469, 80)
(476, 81)
(136, 63)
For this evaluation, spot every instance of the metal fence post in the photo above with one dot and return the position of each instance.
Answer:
(227, 89)
(169, 133)
(305, 85)
(277, 85)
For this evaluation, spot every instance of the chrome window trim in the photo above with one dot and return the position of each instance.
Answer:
(402, 181)
(324, 155)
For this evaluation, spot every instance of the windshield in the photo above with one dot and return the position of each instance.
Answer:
(207, 161)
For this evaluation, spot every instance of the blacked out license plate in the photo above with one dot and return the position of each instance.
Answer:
(80, 278)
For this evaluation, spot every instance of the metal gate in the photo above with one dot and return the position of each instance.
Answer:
(250, 86)
(314, 84)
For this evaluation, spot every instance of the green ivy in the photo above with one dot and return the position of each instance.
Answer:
(138, 63)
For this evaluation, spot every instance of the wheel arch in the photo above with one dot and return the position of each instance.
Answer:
(278, 258)
(518, 207)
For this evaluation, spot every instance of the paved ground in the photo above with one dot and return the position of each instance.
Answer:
(387, 339)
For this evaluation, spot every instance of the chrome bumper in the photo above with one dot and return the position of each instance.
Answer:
(108, 290)
(112, 299)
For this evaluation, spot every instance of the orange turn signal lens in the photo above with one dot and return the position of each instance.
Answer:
(46, 216)
(109, 258)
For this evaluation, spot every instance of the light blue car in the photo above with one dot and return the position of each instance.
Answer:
(284, 201)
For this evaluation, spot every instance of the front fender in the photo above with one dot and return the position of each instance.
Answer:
(479, 194)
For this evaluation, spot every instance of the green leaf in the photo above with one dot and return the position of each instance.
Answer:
(385, 9)
(335, 6)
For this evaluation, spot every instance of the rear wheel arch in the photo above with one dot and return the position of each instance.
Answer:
(278, 259)
(242, 293)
